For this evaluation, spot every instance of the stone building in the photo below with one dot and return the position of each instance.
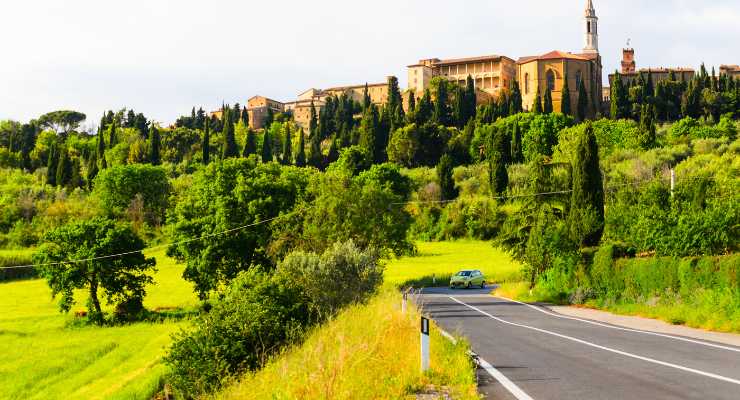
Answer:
(731, 70)
(630, 72)
(257, 108)
(491, 74)
(536, 74)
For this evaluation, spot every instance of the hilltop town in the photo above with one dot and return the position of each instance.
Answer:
(492, 75)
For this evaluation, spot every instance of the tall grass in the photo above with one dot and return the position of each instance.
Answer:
(11, 258)
(367, 352)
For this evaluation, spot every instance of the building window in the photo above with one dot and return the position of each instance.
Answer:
(550, 80)
(588, 26)
(526, 83)
(578, 79)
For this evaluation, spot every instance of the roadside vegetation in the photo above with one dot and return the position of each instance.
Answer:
(368, 351)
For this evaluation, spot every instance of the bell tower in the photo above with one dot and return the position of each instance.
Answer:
(592, 29)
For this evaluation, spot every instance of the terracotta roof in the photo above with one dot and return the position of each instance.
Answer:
(554, 55)
(452, 61)
(266, 98)
(730, 67)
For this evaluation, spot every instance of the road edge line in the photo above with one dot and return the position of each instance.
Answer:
(515, 390)
(621, 328)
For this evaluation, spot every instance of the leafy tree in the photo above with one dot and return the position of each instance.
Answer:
(224, 196)
(565, 98)
(62, 122)
(123, 279)
(250, 144)
(118, 186)
(582, 110)
(267, 147)
(287, 157)
(300, 158)
(547, 102)
(586, 218)
(206, 146)
(154, 146)
(230, 149)
(444, 175)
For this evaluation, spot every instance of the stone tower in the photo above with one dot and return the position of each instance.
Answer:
(592, 29)
(628, 61)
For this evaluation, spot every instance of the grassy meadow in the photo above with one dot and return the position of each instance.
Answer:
(367, 352)
(45, 354)
(443, 259)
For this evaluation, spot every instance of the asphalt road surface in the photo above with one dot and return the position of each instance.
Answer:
(534, 353)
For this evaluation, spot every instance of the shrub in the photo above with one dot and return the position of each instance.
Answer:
(255, 317)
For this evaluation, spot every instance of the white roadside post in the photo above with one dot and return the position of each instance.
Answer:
(424, 344)
(673, 180)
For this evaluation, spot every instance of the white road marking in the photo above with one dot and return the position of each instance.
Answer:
(620, 352)
(624, 329)
(515, 390)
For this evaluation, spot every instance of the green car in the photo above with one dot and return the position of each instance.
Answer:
(468, 279)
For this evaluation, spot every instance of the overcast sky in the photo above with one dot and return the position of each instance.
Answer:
(161, 57)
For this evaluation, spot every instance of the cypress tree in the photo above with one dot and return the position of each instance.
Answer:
(619, 101)
(646, 139)
(101, 145)
(245, 117)
(582, 102)
(287, 158)
(112, 140)
(92, 170)
(424, 109)
(312, 123)
(565, 98)
(250, 144)
(75, 179)
(333, 150)
(64, 168)
(412, 101)
(586, 218)
(444, 175)
(51, 166)
(300, 158)
(206, 146)
(441, 106)
(471, 100)
(317, 158)
(267, 147)
(537, 106)
(459, 108)
(516, 98)
(269, 119)
(366, 98)
(369, 128)
(547, 102)
(395, 102)
(516, 144)
(230, 148)
(155, 142)
(497, 175)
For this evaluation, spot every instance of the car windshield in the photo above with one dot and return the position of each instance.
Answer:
(464, 273)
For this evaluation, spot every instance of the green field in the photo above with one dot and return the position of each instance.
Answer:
(44, 354)
(443, 259)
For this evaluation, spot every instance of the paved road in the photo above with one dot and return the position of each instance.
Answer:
(549, 356)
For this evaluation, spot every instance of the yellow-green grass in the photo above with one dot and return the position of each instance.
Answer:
(367, 352)
(442, 259)
(44, 355)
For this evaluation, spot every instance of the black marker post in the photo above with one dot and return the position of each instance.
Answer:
(424, 344)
